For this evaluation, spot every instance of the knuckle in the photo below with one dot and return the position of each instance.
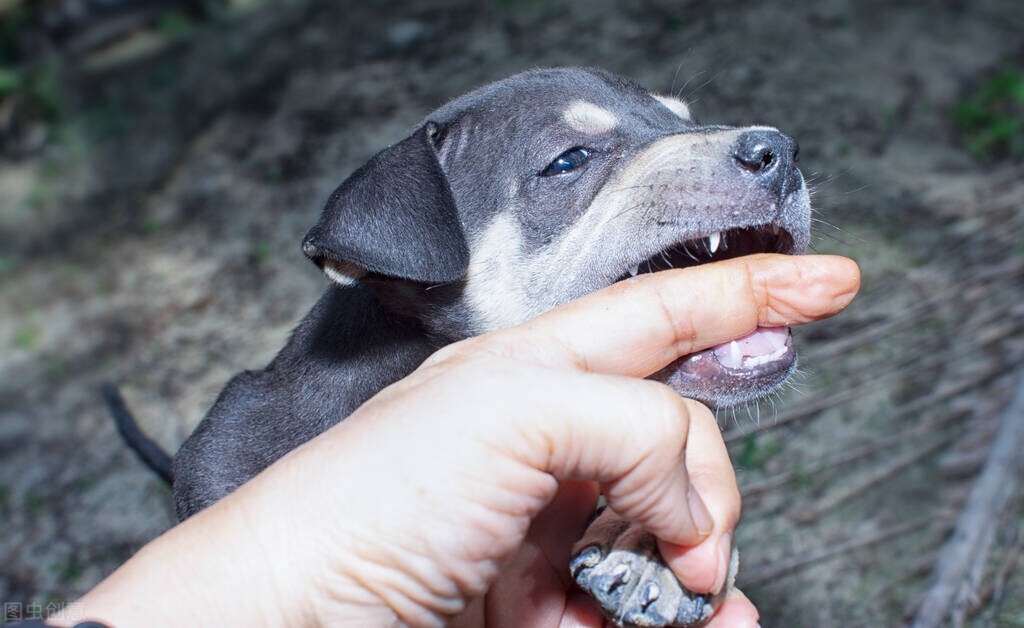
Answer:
(670, 413)
(684, 332)
(756, 286)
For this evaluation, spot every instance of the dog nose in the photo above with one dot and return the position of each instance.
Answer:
(769, 154)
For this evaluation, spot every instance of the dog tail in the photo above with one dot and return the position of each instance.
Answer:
(148, 452)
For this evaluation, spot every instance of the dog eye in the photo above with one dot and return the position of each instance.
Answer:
(567, 162)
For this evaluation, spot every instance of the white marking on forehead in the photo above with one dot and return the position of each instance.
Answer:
(675, 105)
(586, 117)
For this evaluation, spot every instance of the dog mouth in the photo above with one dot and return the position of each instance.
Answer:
(715, 247)
(742, 369)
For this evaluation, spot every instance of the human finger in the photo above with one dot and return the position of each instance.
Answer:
(629, 434)
(637, 326)
(736, 611)
(705, 567)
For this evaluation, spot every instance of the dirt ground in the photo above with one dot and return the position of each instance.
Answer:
(153, 241)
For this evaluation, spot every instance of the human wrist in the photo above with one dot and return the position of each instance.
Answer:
(206, 571)
(351, 569)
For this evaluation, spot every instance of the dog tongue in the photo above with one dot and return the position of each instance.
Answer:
(764, 345)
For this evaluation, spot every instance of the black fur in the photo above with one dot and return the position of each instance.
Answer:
(395, 216)
(148, 452)
(397, 236)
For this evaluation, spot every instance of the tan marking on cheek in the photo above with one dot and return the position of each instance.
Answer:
(496, 287)
(691, 153)
(675, 105)
(586, 117)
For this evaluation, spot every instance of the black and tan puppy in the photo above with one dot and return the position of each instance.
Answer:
(502, 204)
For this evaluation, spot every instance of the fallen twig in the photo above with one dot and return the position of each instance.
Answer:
(991, 491)
(813, 512)
(915, 314)
(847, 456)
(823, 402)
(767, 573)
(993, 593)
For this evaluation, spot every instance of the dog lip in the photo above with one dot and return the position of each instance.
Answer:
(762, 361)
(717, 246)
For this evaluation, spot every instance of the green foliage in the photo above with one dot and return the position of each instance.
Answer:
(754, 455)
(34, 503)
(9, 82)
(42, 85)
(261, 251)
(150, 225)
(804, 477)
(674, 23)
(174, 24)
(36, 92)
(68, 571)
(27, 337)
(8, 264)
(992, 118)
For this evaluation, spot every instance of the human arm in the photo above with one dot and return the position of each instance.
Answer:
(410, 509)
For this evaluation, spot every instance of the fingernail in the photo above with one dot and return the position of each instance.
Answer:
(724, 560)
(699, 513)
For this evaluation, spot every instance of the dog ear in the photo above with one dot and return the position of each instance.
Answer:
(395, 216)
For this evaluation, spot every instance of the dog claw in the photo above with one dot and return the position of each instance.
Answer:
(620, 575)
(651, 593)
(584, 559)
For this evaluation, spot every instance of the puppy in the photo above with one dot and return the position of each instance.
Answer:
(500, 205)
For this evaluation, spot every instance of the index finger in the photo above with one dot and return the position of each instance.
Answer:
(637, 326)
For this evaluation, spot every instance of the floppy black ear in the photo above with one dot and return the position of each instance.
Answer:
(395, 216)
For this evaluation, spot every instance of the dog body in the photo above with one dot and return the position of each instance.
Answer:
(502, 204)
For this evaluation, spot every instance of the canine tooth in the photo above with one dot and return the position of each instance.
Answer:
(713, 241)
(633, 271)
(735, 354)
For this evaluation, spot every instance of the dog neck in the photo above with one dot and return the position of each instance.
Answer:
(348, 348)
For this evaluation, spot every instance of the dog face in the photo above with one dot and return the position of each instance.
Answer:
(535, 190)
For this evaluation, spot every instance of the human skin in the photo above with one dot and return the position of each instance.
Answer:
(455, 494)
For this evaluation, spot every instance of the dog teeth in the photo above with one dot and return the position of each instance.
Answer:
(713, 241)
(633, 271)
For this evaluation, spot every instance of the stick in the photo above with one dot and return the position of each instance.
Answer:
(813, 512)
(775, 570)
(997, 481)
(818, 404)
(852, 455)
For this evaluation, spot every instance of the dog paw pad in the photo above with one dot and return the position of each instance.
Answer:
(620, 567)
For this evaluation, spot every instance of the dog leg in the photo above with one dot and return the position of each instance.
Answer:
(618, 564)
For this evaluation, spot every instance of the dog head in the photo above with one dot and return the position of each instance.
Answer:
(537, 189)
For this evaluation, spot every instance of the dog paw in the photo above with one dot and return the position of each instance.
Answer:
(619, 565)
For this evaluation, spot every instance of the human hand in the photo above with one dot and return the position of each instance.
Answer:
(458, 491)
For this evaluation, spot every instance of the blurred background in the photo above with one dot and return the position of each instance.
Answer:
(161, 159)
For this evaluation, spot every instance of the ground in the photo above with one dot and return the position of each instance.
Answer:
(150, 237)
